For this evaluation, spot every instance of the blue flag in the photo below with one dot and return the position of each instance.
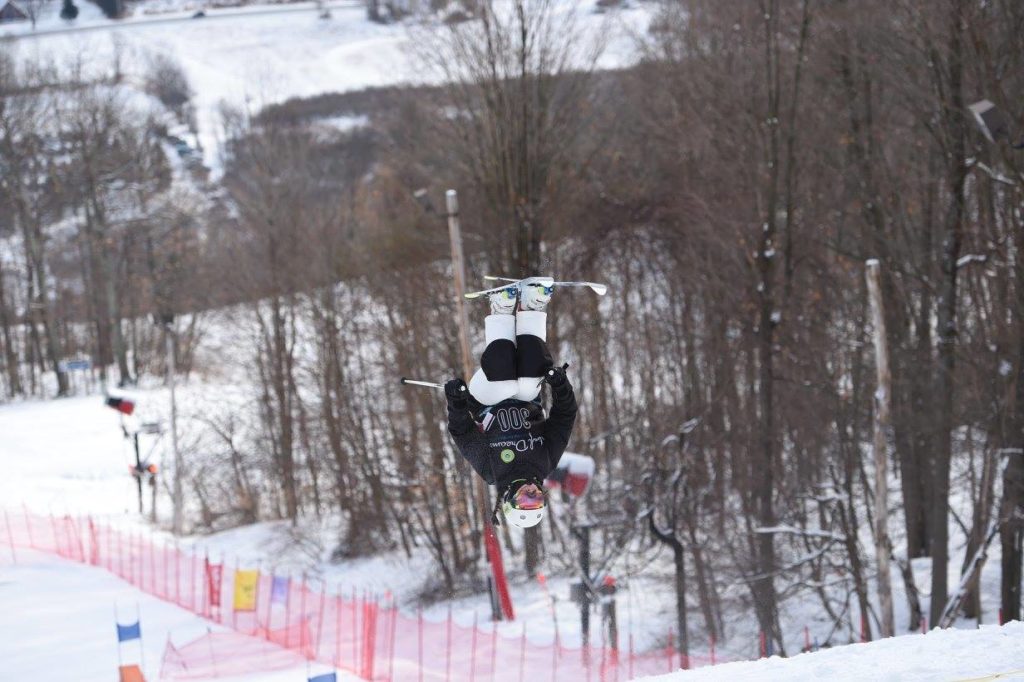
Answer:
(279, 589)
(129, 632)
(326, 677)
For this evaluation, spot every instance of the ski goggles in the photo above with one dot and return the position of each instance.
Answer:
(528, 497)
(546, 289)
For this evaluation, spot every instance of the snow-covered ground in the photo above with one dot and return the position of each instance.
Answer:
(57, 624)
(990, 653)
(68, 456)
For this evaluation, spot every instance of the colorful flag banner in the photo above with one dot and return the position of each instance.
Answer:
(279, 589)
(127, 633)
(326, 677)
(214, 574)
(246, 585)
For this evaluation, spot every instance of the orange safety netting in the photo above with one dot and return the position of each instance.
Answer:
(296, 622)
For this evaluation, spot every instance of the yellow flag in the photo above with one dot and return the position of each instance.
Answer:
(246, 584)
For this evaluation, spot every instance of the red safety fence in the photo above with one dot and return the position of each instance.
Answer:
(353, 632)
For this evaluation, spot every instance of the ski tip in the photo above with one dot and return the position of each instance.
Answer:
(600, 289)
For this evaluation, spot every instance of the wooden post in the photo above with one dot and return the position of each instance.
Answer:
(480, 489)
(883, 393)
(459, 268)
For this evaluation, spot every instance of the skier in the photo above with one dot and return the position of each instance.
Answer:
(497, 421)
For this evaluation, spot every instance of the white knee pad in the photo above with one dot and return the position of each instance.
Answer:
(491, 392)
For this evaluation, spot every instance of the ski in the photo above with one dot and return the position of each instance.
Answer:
(599, 289)
(546, 281)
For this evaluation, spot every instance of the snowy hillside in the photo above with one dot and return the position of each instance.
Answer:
(256, 55)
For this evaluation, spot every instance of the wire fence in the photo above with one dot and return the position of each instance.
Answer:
(275, 621)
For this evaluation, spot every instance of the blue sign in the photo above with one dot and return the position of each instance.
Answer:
(69, 365)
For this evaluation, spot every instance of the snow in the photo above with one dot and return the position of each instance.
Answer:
(256, 55)
(58, 623)
(939, 655)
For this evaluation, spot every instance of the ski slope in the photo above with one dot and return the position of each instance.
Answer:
(57, 624)
(989, 653)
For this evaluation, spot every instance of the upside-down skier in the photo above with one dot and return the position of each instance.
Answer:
(498, 421)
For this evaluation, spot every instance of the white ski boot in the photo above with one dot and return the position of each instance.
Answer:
(503, 301)
(535, 295)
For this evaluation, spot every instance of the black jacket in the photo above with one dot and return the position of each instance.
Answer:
(513, 441)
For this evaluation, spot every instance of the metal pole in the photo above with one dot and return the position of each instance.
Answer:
(177, 493)
(583, 533)
(138, 468)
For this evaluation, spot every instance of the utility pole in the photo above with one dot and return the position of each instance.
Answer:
(491, 546)
(883, 392)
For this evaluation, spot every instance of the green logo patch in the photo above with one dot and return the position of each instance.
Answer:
(507, 456)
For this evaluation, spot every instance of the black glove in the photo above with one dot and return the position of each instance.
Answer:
(555, 376)
(457, 394)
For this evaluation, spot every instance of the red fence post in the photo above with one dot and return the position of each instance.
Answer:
(320, 620)
(337, 629)
(10, 537)
(28, 526)
(448, 646)
(472, 651)
(391, 644)
(522, 653)
(630, 654)
(494, 648)
(419, 643)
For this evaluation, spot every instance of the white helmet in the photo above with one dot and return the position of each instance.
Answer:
(523, 503)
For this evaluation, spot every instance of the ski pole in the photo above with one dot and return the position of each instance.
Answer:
(425, 384)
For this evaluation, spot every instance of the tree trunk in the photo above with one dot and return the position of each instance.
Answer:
(881, 428)
(947, 323)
